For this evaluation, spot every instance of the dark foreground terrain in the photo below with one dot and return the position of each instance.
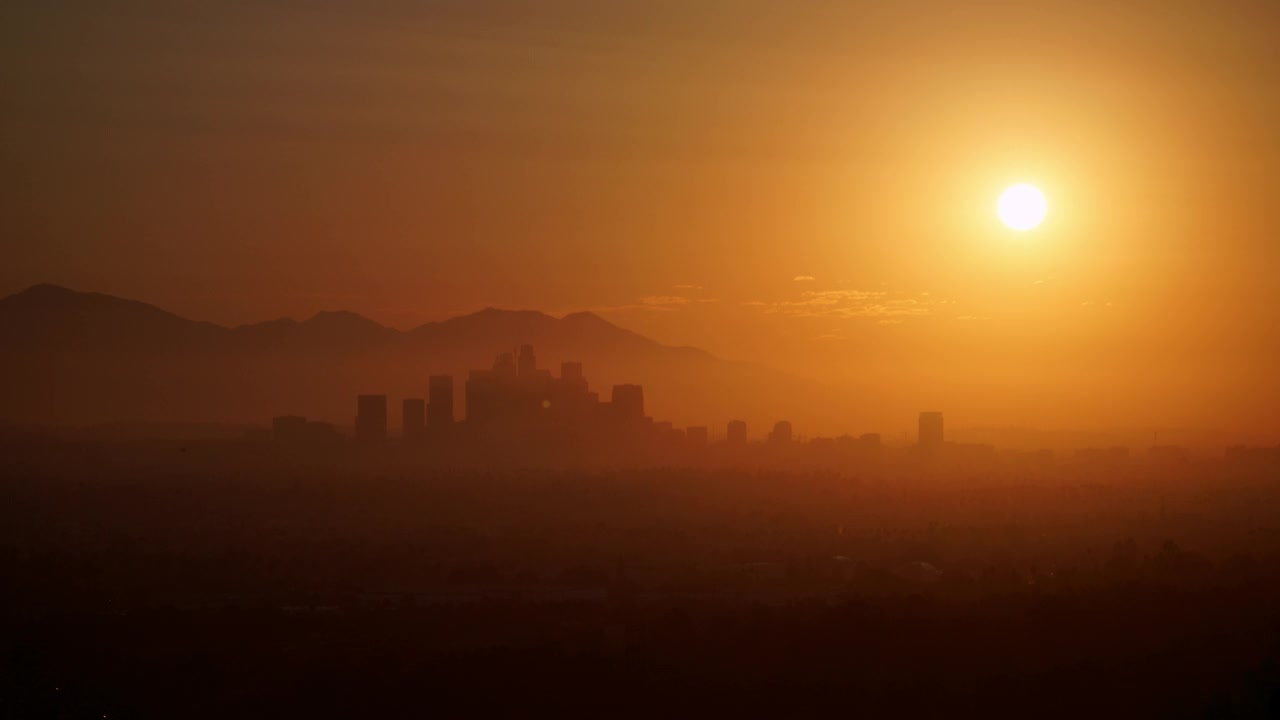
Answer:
(170, 580)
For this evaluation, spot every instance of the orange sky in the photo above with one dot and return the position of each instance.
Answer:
(676, 166)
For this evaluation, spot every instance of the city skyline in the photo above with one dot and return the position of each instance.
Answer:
(811, 188)
(522, 411)
(629, 358)
(844, 411)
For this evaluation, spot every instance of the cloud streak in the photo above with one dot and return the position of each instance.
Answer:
(664, 300)
(875, 304)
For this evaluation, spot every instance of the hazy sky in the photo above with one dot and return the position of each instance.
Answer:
(810, 185)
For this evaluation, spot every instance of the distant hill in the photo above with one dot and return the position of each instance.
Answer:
(73, 358)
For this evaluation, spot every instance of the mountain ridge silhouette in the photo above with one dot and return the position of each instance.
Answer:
(76, 357)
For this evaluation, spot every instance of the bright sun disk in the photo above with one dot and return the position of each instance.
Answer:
(1023, 207)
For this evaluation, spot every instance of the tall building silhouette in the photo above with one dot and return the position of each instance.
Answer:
(526, 362)
(628, 402)
(514, 400)
(571, 403)
(737, 432)
(371, 418)
(781, 432)
(504, 367)
(440, 403)
(930, 435)
(413, 422)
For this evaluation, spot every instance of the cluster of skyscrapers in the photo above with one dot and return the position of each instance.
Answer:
(518, 411)
(515, 402)
(519, 406)
(420, 416)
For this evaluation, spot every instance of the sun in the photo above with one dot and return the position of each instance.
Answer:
(1023, 207)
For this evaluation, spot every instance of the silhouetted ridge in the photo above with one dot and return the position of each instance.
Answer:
(50, 298)
(344, 325)
(585, 317)
(340, 328)
(72, 357)
(53, 314)
(591, 322)
(500, 328)
(45, 290)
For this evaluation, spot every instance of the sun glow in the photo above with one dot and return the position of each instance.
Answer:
(1023, 207)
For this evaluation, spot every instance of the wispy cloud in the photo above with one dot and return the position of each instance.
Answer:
(664, 300)
(687, 287)
(852, 304)
(653, 303)
(804, 278)
(632, 307)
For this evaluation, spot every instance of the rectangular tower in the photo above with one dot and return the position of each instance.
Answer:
(628, 402)
(781, 432)
(930, 432)
(737, 434)
(526, 362)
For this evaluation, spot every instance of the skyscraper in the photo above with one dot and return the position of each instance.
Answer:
(371, 418)
(930, 432)
(737, 433)
(413, 419)
(526, 362)
(628, 402)
(440, 404)
(781, 432)
(504, 367)
(571, 403)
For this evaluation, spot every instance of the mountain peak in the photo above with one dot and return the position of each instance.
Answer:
(88, 357)
(344, 326)
(493, 312)
(48, 294)
(50, 298)
(61, 317)
(46, 290)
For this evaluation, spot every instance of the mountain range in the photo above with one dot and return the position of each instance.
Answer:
(75, 358)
